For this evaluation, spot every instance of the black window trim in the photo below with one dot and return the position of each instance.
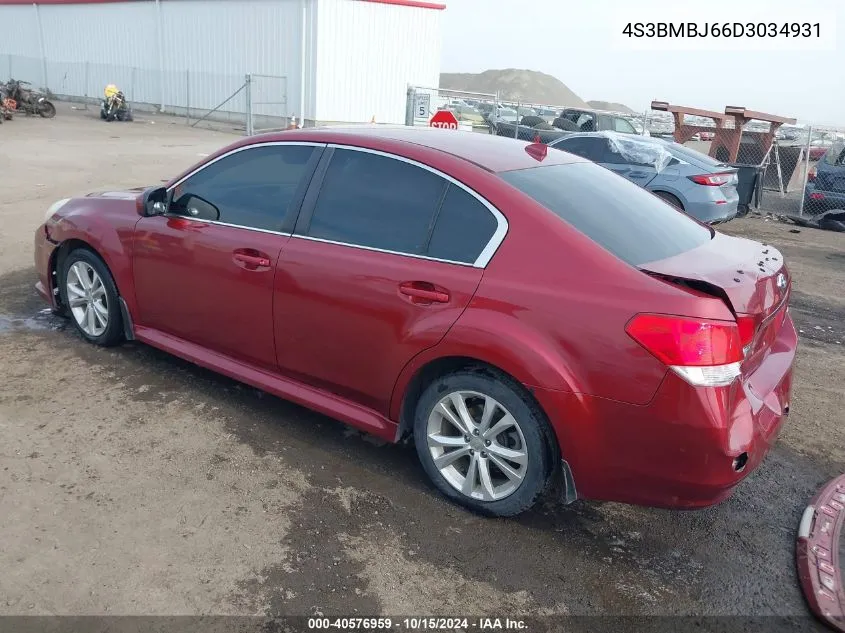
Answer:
(293, 213)
(304, 221)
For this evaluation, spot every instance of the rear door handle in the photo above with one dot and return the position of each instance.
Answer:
(423, 292)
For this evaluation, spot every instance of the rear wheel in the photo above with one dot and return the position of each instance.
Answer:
(668, 197)
(46, 109)
(483, 443)
(90, 294)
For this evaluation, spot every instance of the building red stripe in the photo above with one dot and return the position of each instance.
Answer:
(402, 3)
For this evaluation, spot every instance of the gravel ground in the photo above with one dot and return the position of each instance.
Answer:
(135, 483)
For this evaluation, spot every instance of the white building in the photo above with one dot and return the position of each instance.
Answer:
(329, 60)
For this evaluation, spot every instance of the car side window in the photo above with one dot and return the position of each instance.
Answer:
(463, 227)
(584, 146)
(253, 188)
(621, 125)
(371, 200)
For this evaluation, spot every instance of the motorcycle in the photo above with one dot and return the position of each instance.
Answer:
(28, 100)
(114, 105)
(7, 106)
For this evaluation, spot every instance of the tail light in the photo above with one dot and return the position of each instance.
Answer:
(704, 352)
(712, 180)
(747, 326)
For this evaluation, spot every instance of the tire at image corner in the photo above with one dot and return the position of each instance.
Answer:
(540, 442)
(113, 333)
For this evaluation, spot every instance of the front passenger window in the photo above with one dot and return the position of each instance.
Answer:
(252, 188)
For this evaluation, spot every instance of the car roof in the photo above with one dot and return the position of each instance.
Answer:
(488, 151)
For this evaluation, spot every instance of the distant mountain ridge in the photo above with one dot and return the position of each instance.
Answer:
(529, 86)
(610, 106)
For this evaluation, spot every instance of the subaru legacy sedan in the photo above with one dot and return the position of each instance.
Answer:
(520, 314)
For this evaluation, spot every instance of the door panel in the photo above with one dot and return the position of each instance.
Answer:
(348, 320)
(209, 284)
(638, 174)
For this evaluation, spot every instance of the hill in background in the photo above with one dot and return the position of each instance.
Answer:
(528, 86)
(610, 106)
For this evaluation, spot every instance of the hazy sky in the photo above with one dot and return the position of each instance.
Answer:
(580, 43)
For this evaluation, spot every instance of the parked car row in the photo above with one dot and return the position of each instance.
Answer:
(521, 314)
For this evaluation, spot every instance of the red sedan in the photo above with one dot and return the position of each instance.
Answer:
(518, 313)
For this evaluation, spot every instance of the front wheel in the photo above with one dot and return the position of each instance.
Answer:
(484, 443)
(46, 109)
(90, 294)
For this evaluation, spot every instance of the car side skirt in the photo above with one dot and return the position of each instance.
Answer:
(329, 404)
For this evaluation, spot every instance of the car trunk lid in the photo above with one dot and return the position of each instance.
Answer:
(748, 276)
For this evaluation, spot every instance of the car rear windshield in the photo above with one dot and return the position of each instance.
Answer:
(835, 155)
(696, 158)
(633, 224)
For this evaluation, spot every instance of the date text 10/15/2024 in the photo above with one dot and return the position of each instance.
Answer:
(767, 30)
(417, 624)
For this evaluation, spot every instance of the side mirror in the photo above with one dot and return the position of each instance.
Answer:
(193, 206)
(153, 202)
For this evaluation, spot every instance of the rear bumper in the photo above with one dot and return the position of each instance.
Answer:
(43, 254)
(713, 213)
(683, 449)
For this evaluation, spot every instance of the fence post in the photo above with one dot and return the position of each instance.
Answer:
(132, 84)
(85, 88)
(187, 97)
(806, 170)
(41, 44)
(249, 122)
(516, 126)
(410, 99)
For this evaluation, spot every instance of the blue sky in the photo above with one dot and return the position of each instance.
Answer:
(581, 44)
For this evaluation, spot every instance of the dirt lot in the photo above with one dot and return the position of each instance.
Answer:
(135, 483)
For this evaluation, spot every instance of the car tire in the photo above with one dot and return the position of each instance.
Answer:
(565, 124)
(668, 197)
(531, 120)
(529, 450)
(90, 294)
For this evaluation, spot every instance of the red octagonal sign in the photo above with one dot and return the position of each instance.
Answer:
(444, 119)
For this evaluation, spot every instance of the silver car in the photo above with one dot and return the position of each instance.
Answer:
(689, 180)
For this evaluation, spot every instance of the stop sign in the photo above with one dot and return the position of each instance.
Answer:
(444, 119)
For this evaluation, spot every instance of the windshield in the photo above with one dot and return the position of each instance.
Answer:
(690, 155)
(633, 224)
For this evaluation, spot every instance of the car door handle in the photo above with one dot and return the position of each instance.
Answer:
(249, 258)
(423, 292)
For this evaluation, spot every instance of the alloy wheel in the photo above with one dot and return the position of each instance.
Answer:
(87, 298)
(477, 445)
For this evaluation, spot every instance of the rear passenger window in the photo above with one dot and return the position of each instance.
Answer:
(375, 201)
(464, 227)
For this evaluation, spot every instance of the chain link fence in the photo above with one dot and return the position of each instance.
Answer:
(246, 103)
(473, 110)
